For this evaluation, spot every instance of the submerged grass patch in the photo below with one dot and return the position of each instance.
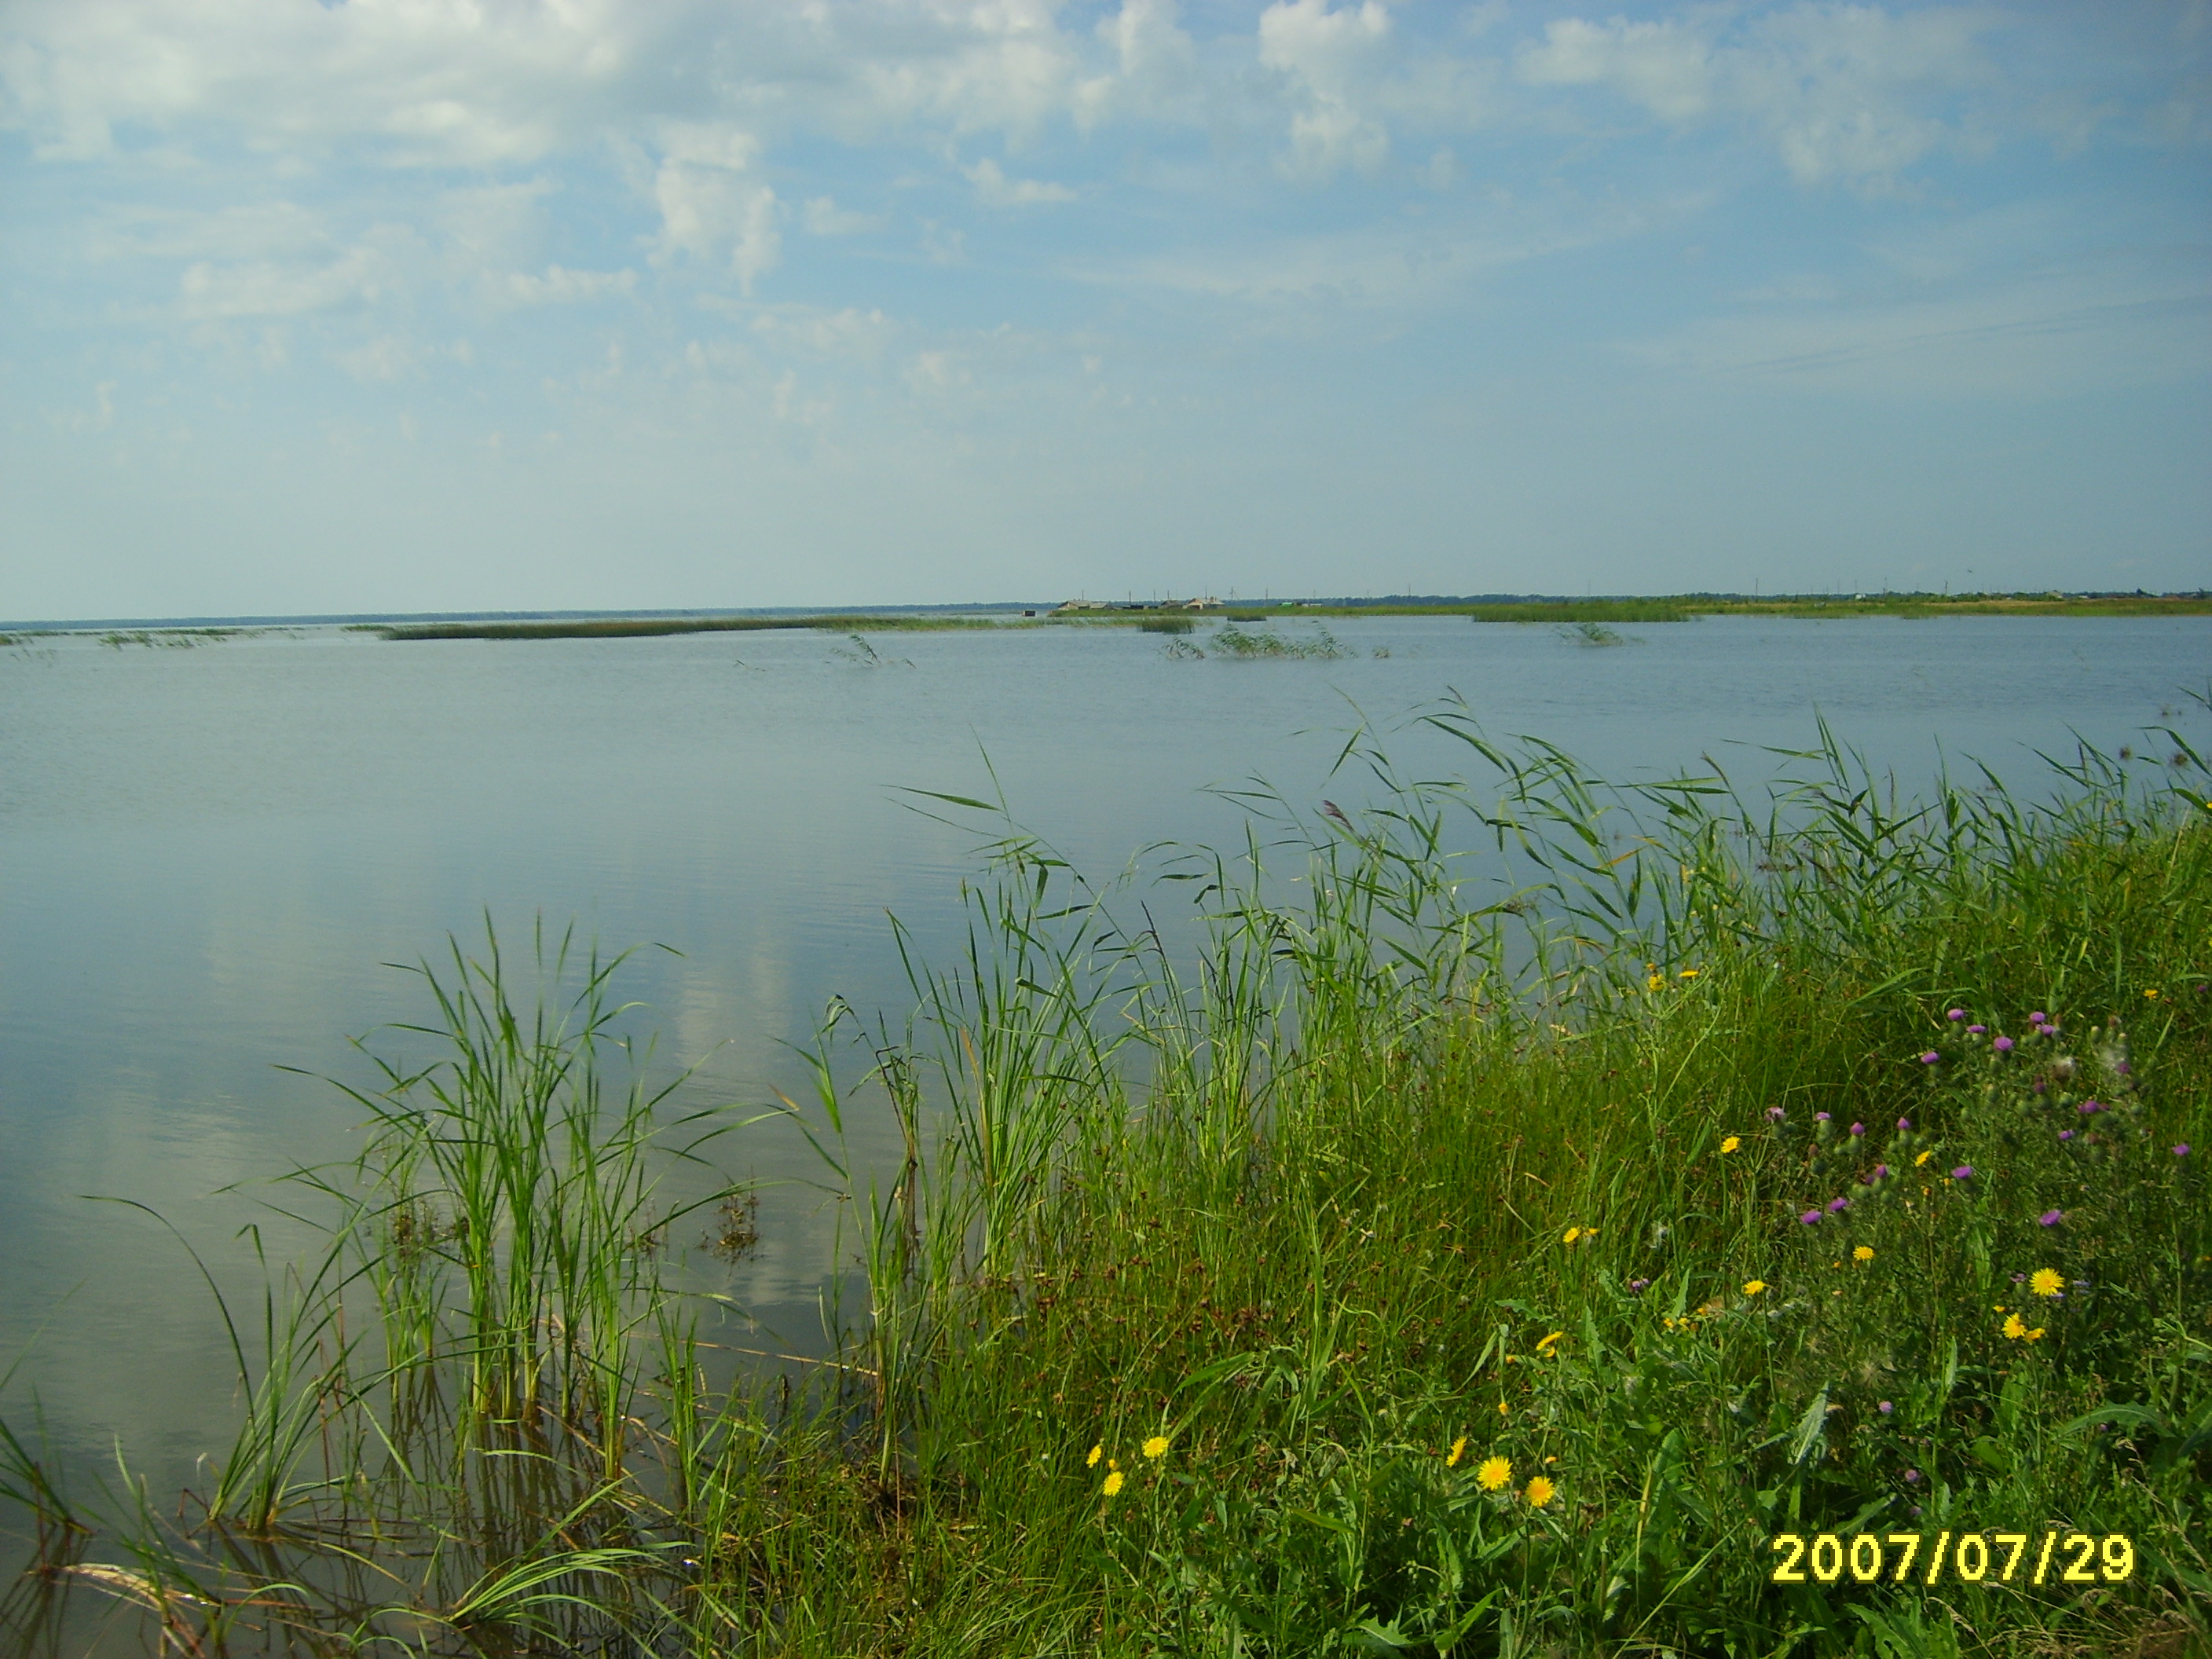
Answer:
(1478, 1256)
(624, 628)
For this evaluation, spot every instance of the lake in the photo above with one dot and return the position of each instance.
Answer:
(207, 856)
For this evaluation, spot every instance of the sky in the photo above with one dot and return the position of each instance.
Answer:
(394, 305)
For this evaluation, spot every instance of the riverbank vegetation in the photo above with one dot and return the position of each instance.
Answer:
(1485, 1254)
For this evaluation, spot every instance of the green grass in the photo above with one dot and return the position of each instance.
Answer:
(1428, 1160)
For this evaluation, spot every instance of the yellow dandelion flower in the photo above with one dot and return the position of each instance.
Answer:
(1494, 1473)
(1731, 1143)
(1502, 1408)
(1157, 1446)
(1656, 982)
(1091, 1461)
(1753, 1286)
(1458, 1451)
(1923, 1158)
(2151, 994)
(1863, 1253)
(1545, 1346)
(1540, 1492)
(1113, 1483)
(1692, 973)
(2046, 1281)
(2036, 1335)
(2014, 1327)
(1571, 1234)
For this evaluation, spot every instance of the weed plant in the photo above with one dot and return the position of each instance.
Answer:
(1244, 644)
(1452, 1254)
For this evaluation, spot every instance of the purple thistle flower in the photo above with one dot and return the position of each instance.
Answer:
(1775, 1115)
(2050, 1218)
(1912, 1477)
(1811, 1218)
(1885, 1409)
(2036, 1018)
(1819, 1117)
(1905, 1123)
(2090, 1108)
(1636, 1286)
(1957, 1013)
(1963, 1172)
(2066, 1134)
(1929, 1058)
(1976, 1030)
(1837, 1205)
(1881, 1172)
(1858, 1128)
(2121, 1067)
(2182, 1150)
(2002, 1045)
(2046, 1030)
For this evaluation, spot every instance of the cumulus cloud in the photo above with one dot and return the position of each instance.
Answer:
(1156, 74)
(710, 209)
(1325, 55)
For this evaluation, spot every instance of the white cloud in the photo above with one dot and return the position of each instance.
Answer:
(823, 217)
(1665, 66)
(994, 189)
(708, 209)
(1327, 55)
(1156, 75)
(1844, 94)
(560, 286)
(208, 291)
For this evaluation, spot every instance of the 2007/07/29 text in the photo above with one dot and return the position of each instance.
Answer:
(2079, 1558)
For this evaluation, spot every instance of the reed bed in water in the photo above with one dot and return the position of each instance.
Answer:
(1443, 1264)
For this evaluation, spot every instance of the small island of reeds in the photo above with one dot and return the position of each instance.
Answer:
(1701, 1225)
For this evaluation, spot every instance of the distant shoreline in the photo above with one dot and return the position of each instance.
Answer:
(1487, 608)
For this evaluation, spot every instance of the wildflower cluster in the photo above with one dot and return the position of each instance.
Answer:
(1153, 1450)
(2036, 1147)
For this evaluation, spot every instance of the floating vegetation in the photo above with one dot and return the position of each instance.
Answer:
(1165, 625)
(173, 639)
(629, 627)
(1232, 640)
(1592, 633)
(736, 1229)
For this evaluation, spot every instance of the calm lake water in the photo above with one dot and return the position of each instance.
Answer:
(206, 856)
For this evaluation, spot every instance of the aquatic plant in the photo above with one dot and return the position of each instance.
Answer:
(1231, 640)
(1592, 633)
(1415, 1261)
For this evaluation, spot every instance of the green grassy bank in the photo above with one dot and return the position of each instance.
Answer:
(1442, 1264)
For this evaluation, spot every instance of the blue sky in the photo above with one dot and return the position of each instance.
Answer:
(391, 304)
